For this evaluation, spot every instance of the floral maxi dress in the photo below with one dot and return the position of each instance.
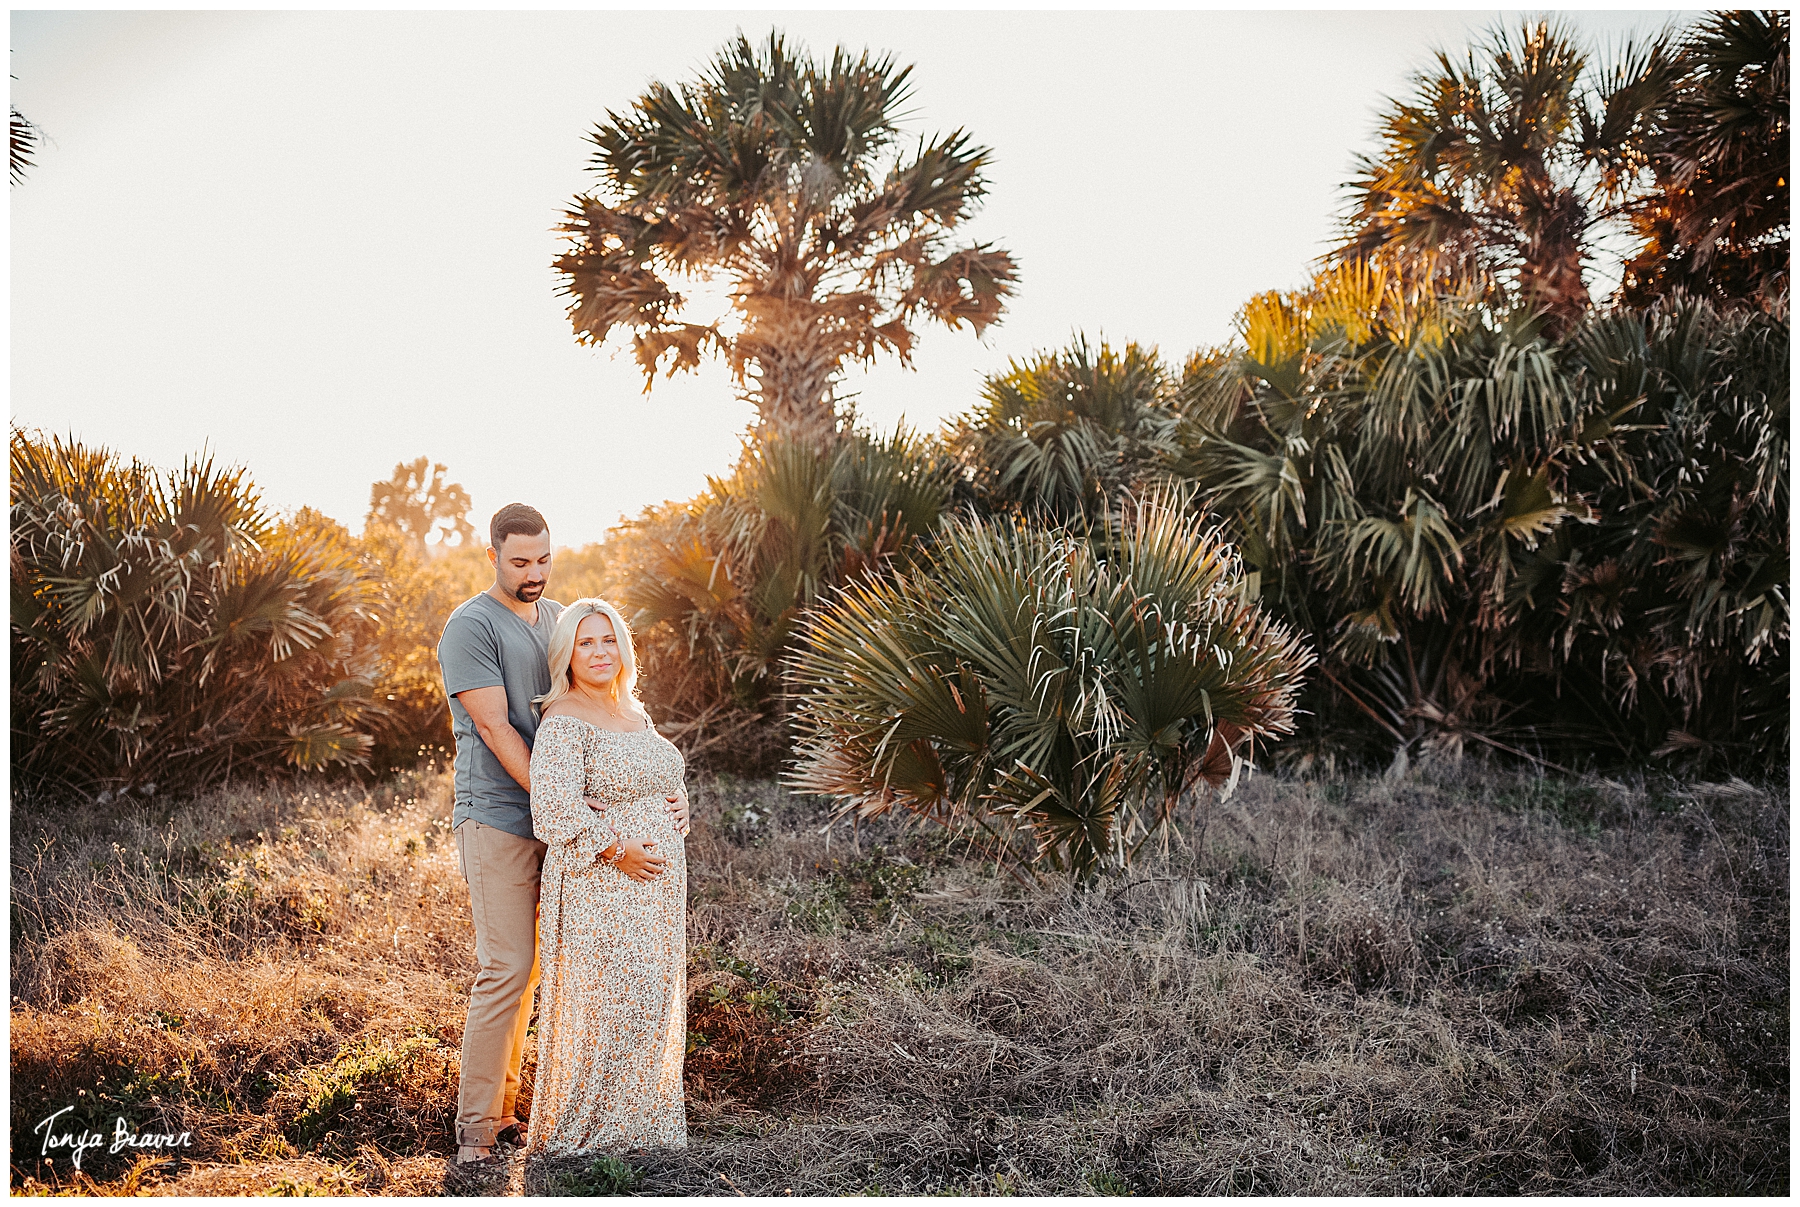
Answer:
(612, 1006)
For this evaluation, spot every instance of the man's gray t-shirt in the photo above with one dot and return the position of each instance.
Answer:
(486, 644)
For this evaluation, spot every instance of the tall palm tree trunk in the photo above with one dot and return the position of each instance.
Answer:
(795, 363)
(1551, 276)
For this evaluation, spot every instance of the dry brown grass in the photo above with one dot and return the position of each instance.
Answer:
(272, 972)
(1458, 981)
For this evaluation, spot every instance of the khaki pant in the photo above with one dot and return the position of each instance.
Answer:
(503, 871)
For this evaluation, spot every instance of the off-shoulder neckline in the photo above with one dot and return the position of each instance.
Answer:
(649, 725)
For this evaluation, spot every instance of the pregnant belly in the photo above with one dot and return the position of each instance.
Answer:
(647, 818)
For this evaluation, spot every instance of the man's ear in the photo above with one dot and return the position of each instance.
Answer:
(493, 557)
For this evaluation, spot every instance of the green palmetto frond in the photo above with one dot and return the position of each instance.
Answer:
(776, 517)
(1185, 638)
(1015, 679)
(313, 747)
(890, 492)
(1275, 457)
(1414, 556)
(1065, 432)
(262, 607)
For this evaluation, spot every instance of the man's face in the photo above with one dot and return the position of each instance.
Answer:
(522, 565)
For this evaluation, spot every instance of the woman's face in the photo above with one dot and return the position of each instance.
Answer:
(596, 661)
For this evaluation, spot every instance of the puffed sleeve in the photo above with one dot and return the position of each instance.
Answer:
(559, 816)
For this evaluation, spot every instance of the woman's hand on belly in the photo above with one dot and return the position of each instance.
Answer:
(640, 862)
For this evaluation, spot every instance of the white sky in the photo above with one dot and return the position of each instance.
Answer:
(320, 243)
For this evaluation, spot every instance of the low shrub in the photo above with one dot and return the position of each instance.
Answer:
(1078, 688)
(168, 633)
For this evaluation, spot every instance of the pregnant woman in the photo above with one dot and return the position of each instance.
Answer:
(612, 931)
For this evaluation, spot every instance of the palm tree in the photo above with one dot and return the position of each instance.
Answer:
(786, 179)
(1507, 162)
(1717, 222)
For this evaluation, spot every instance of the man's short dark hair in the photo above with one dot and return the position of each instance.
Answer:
(515, 519)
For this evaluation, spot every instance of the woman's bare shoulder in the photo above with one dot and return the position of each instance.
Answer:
(557, 711)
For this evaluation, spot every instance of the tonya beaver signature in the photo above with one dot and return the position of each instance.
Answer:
(124, 1137)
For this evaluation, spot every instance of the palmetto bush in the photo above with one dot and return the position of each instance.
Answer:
(1674, 606)
(166, 631)
(715, 588)
(1498, 538)
(1065, 434)
(1056, 701)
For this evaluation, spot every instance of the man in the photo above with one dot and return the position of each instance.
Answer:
(495, 658)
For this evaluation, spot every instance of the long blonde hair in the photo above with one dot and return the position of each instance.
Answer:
(562, 653)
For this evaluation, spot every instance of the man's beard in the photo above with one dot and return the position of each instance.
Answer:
(528, 593)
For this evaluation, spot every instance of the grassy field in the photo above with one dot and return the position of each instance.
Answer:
(1460, 980)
